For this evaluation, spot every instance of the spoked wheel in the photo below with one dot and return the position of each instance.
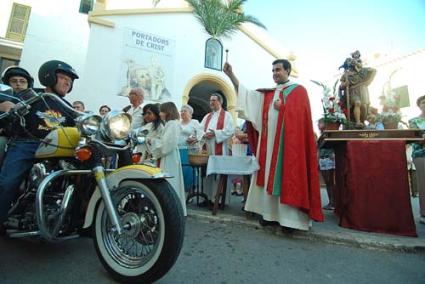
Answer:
(153, 223)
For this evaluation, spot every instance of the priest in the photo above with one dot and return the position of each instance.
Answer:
(286, 188)
(218, 128)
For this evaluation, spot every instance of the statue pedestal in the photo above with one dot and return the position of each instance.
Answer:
(372, 190)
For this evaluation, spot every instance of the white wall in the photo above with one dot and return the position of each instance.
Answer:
(101, 80)
(56, 31)
(409, 73)
(140, 4)
(60, 32)
(6, 10)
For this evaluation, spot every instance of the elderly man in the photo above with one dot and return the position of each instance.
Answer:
(136, 97)
(218, 128)
(79, 105)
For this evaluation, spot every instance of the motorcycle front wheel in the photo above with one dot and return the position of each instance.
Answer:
(153, 222)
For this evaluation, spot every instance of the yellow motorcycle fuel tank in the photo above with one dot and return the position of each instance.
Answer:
(60, 142)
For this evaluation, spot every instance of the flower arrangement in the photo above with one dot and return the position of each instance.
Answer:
(390, 102)
(332, 111)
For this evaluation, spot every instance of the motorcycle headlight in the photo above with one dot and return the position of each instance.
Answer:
(89, 124)
(116, 125)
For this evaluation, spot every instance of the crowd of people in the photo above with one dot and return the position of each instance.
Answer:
(278, 130)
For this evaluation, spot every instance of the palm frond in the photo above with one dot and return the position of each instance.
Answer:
(220, 19)
(318, 83)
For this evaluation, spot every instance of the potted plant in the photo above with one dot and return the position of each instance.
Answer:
(333, 116)
(390, 115)
(332, 111)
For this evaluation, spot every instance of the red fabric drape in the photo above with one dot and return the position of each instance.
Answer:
(372, 188)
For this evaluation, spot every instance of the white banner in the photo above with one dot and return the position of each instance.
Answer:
(150, 42)
(148, 61)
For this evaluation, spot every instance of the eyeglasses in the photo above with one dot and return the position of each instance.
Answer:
(18, 81)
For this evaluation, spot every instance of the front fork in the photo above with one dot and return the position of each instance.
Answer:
(99, 173)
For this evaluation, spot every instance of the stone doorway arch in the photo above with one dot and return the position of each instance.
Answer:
(199, 89)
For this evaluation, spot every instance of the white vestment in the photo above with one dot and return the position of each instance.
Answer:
(250, 104)
(167, 150)
(221, 136)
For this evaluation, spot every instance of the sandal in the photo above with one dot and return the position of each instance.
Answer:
(329, 207)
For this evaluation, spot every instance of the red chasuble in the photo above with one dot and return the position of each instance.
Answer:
(294, 174)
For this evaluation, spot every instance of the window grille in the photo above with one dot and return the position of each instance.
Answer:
(86, 6)
(18, 22)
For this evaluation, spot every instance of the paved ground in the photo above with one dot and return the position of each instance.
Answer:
(218, 252)
(328, 231)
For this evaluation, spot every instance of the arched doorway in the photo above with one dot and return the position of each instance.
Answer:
(199, 89)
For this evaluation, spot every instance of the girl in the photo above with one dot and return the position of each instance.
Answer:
(165, 149)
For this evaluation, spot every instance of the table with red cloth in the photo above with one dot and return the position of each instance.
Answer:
(372, 191)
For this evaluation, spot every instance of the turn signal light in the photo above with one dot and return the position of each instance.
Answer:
(136, 158)
(83, 154)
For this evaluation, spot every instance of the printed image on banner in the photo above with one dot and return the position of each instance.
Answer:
(148, 63)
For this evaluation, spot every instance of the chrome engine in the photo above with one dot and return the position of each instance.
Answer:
(22, 214)
(37, 174)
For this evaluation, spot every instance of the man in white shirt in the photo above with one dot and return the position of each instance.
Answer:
(136, 97)
(218, 128)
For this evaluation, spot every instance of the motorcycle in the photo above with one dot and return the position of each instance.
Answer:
(132, 213)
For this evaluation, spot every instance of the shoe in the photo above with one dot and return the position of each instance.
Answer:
(287, 230)
(328, 207)
(422, 220)
(265, 223)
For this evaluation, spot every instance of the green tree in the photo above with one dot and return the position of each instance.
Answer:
(221, 18)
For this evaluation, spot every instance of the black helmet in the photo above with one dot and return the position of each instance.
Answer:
(47, 72)
(16, 71)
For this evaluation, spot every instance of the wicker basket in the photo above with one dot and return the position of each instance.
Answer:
(199, 159)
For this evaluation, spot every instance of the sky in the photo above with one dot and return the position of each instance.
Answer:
(323, 33)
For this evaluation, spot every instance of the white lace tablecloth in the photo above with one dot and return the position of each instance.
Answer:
(232, 165)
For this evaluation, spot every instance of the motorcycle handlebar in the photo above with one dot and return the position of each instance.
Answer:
(28, 97)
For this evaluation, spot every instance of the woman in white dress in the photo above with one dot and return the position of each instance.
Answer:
(153, 123)
(165, 149)
(191, 133)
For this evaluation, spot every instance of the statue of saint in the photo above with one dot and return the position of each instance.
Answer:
(353, 89)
